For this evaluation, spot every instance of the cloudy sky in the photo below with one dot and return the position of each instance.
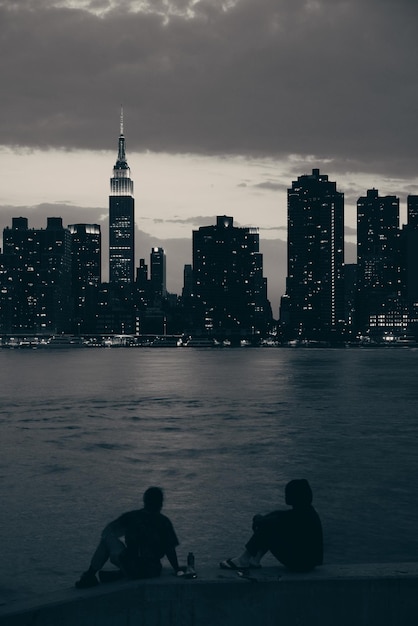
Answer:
(225, 103)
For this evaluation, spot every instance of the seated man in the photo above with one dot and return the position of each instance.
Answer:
(149, 535)
(293, 536)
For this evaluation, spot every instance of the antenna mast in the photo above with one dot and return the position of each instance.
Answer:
(121, 119)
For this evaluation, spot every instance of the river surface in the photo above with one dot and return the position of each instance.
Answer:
(85, 432)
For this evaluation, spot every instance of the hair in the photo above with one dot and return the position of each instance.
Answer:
(153, 499)
(298, 493)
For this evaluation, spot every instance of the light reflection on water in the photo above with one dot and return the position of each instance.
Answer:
(222, 431)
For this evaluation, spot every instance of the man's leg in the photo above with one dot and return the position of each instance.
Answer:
(270, 536)
(254, 551)
(266, 537)
(109, 548)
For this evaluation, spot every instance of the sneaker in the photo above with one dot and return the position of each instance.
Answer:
(87, 579)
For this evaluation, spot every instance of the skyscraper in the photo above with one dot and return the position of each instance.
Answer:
(158, 273)
(409, 263)
(412, 207)
(36, 269)
(313, 307)
(121, 220)
(378, 263)
(187, 281)
(229, 290)
(86, 274)
(20, 289)
(56, 275)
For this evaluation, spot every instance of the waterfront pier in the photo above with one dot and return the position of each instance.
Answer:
(332, 595)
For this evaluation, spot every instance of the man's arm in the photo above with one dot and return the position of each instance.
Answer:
(171, 555)
(117, 528)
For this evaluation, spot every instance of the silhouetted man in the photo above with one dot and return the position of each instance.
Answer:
(149, 536)
(293, 536)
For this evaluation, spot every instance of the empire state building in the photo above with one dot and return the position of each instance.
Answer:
(121, 220)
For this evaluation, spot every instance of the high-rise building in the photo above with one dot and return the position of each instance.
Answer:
(37, 271)
(378, 304)
(409, 263)
(86, 274)
(229, 290)
(56, 275)
(158, 273)
(142, 284)
(20, 289)
(121, 220)
(411, 260)
(187, 282)
(412, 208)
(313, 306)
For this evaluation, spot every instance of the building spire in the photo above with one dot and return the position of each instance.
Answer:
(121, 183)
(121, 163)
(121, 119)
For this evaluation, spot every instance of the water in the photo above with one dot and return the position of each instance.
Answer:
(84, 432)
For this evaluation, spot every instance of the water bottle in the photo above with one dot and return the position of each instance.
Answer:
(190, 570)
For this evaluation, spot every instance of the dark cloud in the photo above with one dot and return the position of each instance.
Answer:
(271, 186)
(349, 231)
(331, 78)
(412, 190)
(271, 228)
(196, 220)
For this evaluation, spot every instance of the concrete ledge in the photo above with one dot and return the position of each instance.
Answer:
(333, 595)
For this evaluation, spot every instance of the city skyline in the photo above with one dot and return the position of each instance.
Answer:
(273, 250)
(231, 144)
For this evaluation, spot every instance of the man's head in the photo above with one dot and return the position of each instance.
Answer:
(153, 499)
(298, 493)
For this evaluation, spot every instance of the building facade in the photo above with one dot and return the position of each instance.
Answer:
(411, 252)
(229, 293)
(380, 307)
(36, 278)
(158, 273)
(313, 306)
(409, 263)
(86, 249)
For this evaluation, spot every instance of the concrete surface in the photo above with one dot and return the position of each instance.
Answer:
(333, 595)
